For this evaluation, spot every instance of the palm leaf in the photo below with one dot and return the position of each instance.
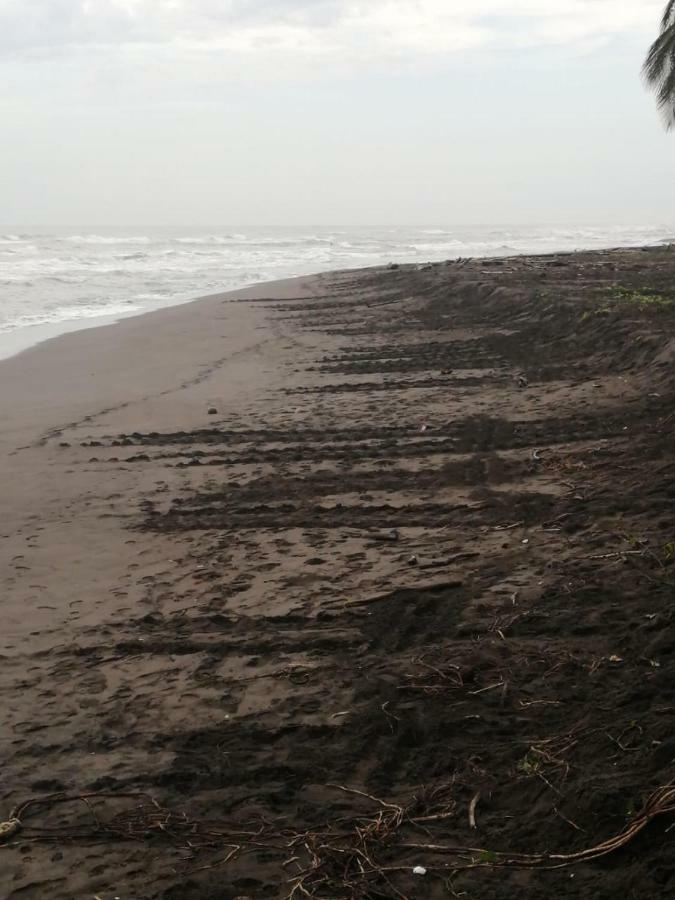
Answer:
(659, 67)
(668, 15)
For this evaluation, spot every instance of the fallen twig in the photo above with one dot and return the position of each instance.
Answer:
(342, 859)
(472, 810)
(491, 687)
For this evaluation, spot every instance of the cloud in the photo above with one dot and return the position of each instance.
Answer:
(311, 29)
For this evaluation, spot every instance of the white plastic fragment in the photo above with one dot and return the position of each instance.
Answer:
(419, 870)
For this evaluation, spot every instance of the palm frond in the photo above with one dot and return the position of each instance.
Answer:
(668, 15)
(659, 67)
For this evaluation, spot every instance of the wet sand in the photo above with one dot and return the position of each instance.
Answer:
(421, 550)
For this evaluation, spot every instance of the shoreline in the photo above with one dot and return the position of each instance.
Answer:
(17, 341)
(68, 369)
(359, 529)
(14, 342)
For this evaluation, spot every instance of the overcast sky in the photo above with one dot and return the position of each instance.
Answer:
(334, 112)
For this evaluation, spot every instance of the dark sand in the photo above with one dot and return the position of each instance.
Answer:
(422, 551)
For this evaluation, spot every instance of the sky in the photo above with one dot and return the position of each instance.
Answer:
(330, 112)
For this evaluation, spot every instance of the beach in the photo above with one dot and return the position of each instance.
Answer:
(357, 568)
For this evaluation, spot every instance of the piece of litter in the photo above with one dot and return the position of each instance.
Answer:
(9, 829)
(419, 870)
(424, 427)
(615, 659)
(526, 541)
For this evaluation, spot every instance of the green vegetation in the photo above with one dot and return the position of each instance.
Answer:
(659, 67)
(644, 301)
(530, 765)
(592, 313)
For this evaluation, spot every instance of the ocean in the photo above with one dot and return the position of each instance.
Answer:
(55, 280)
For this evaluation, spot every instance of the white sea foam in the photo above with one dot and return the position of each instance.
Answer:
(69, 314)
(72, 275)
(107, 239)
